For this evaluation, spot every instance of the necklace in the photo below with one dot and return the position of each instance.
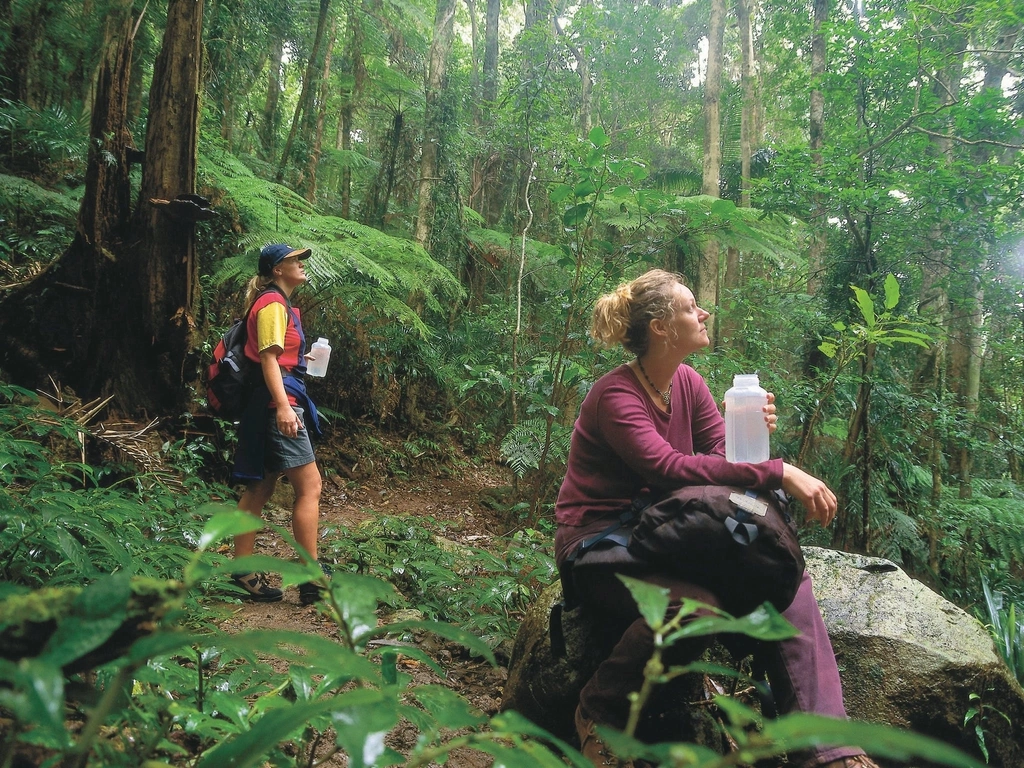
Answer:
(666, 397)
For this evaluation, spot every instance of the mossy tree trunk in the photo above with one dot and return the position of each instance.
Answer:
(113, 314)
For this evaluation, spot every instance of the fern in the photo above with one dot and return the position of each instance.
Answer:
(524, 444)
(352, 263)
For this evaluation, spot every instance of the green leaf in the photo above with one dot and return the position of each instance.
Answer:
(559, 193)
(892, 291)
(828, 349)
(362, 718)
(651, 600)
(577, 214)
(801, 731)
(37, 697)
(96, 614)
(764, 623)
(866, 306)
(598, 137)
(585, 188)
(227, 520)
(448, 708)
(448, 631)
(249, 749)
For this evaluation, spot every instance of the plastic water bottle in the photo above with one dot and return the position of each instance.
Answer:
(746, 432)
(320, 354)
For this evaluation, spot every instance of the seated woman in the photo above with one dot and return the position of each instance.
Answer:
(653, 424)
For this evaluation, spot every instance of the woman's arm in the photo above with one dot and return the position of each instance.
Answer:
(627, 426)
(287, 421)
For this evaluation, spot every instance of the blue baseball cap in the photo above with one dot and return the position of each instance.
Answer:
(272, 255)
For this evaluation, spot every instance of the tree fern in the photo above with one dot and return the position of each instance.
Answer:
(351, 262)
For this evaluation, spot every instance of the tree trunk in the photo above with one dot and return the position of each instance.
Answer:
(490, 74)
(316, 151)
(974, 341)
(163, 241)
(707, 281)
(271, 114)
(313, 68)
(375, 206)
(355, 68)
(440, 48)
(113, 314)
(819, 215)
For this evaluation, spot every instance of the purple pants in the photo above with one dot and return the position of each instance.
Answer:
(802, 670)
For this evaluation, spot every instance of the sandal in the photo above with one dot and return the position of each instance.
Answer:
(255, 588)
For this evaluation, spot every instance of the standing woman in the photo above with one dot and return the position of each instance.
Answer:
(274, 432)
(652, 424)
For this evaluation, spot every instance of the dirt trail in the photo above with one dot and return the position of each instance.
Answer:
(456, 500)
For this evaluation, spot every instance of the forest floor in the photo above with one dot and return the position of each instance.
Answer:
(456, 499)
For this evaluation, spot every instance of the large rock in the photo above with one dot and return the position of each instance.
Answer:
(911, 659)
(907, 657)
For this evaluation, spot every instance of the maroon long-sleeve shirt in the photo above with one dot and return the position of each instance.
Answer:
(623, 443)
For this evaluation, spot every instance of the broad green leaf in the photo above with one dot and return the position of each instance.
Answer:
(764, 623)
(559, 193)
(227, 520)
(74, 551)
(598, 137)
(585, 188)
(315, 652)
(892, 291)
(799, 731)
(96, 614)
(37, 697)
(249, 749)
(866, 306)
(577, 214)
(828, 349)
(651, 600)
(447, 707)
(362, 718)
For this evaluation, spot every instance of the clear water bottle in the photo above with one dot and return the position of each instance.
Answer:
(320, 356)
(746, 432)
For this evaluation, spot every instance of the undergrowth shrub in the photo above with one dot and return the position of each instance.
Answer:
(487, 591)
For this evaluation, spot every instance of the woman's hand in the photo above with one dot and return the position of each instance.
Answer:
(288, 423)
(817, 498)
(770, 417)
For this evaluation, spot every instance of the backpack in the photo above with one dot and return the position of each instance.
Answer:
(229, 378)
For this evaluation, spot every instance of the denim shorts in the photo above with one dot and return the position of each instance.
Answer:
(282, 453)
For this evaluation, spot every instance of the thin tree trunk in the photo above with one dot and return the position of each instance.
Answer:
(819, 215)
(318, 131)
(309, 81)
(440, 48)
(271, 114)
(707, 280)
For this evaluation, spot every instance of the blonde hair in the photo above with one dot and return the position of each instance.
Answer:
(624, 315)
(252, 289)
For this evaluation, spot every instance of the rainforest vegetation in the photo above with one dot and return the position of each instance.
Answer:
(840, 182)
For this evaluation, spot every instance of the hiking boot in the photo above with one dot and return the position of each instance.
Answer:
(593, 747)
(255, 588)
(311, 591)
(859, 761)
